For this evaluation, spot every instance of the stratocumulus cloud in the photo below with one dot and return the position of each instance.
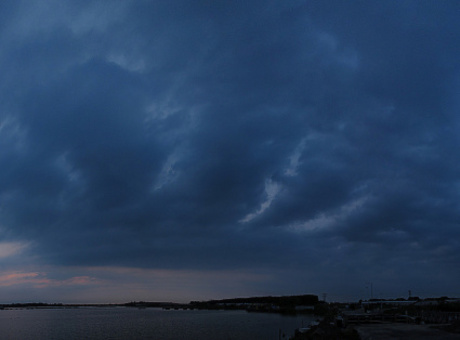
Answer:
(313, 143)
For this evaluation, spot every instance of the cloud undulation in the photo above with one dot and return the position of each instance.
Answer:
(205, 136)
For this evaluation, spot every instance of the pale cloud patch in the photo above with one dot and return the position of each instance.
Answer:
(12, 134)
(10, 249)
(96, 18)
(162, 109)
(325, 221)
(64, 164)
(271, 191)
(75, 281)
(336, 53)
(167, 174)
(10, 279)
(40, 280)
(127, 63)
(294, 159)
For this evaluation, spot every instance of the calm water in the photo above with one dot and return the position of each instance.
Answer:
(150, 323)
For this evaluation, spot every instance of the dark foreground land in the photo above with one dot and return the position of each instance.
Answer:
(404, 331)
(380, 331)
(437, 318)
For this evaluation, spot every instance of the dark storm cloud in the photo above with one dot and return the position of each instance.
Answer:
(223, 135)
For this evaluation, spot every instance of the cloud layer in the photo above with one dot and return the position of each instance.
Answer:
(316, 141)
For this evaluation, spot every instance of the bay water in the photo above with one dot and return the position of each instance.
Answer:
(149, 323)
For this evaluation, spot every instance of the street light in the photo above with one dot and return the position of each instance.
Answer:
(370, 284)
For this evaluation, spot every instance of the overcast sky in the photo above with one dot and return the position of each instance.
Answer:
(180, 150)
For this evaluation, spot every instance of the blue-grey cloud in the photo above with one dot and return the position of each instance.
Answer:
(225, 135)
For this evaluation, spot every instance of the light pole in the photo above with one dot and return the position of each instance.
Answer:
(372, 293)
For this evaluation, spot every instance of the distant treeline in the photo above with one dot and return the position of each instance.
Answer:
(145, 304)
(292, 300)
(269, 304)
(273, 304)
